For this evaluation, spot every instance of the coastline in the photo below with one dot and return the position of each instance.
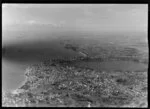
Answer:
(59, 68)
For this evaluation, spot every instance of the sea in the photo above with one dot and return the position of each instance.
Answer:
(21, 49)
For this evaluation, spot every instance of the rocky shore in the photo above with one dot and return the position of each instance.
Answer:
(55, 84)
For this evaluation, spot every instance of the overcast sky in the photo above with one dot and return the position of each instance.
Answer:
(99, 17)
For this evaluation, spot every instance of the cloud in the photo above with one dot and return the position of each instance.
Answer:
(20, 5)
(11, 5)
(4, 6)
(34, 22)
(31, 22)
(55, 5)
(41, 5)
(87, 12)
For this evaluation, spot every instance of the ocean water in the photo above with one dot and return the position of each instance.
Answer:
(14, 64)
(12, 74)
(16, 58)
(22, 52)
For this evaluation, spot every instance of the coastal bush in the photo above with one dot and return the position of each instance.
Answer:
(53, 85)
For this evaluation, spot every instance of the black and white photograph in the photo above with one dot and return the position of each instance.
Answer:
(74, 55)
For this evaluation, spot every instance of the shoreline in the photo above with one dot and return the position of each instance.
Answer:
(74, 69)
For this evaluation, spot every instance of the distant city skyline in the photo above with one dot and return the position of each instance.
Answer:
(96, 17)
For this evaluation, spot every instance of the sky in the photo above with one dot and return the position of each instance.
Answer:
(96, 17)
